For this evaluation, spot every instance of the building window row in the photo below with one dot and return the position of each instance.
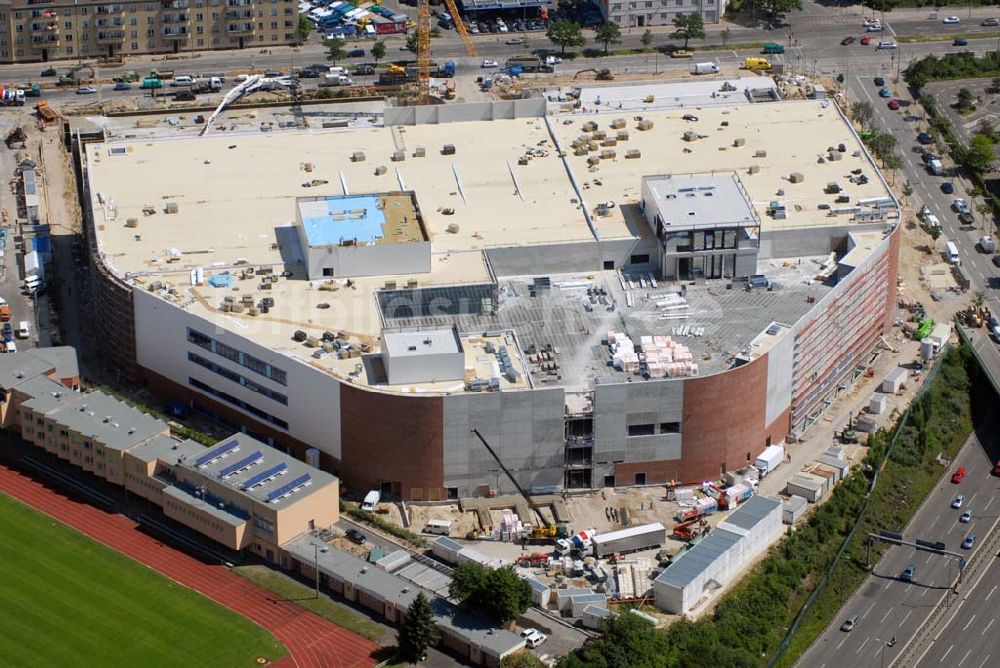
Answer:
(197, 517)
(267, 526)
(239, 403)
(232, 354)
(238, 378)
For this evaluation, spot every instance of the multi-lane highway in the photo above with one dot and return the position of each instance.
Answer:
(889, 608)
(970, 639)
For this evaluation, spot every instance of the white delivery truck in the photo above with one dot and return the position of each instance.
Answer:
(705, 68)
(936, 167)
(770, 459)
(439, 527)
(951, 250)
(631, 539)
(371, 500)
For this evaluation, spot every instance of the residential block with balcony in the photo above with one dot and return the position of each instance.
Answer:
(68, 29)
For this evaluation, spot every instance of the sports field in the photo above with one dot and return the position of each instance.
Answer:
(69, 601)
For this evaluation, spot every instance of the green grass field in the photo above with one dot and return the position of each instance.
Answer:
(69, 601)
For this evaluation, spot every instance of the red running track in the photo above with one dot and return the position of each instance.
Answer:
(312, 641)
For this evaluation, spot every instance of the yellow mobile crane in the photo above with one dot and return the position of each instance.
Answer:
(424, 44)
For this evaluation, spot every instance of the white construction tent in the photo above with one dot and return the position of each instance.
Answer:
(727, 550)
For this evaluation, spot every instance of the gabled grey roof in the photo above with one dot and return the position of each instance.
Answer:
(690, 565)
(752, 513)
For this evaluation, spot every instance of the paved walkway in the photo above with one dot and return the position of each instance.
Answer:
(311, 640)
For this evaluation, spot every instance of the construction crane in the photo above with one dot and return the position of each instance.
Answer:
(517, 485)
(424, 44)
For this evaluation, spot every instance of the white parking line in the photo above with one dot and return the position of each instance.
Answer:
(965, 657)
(946, 654)
(991, 592)
(968, 622)
(984, 661)
(886, 615)
(924, 592)
(868, 610)
(931, 525)
(841, 643)
(862, 646)
(988, 503)
(908, 613)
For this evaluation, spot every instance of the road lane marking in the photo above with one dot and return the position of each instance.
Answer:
(886, 616)
(984, 661)
(841, 643)
(862, 646)
(991, 592)
(968, 622)
(989, 502)
(946, 654)
(924, 592)
(931, 525)
(965, 657)
(868, 610)
(987, 627)
(908, 613)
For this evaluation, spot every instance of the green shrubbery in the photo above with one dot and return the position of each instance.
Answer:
(374, 520)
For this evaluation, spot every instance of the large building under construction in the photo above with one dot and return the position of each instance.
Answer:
(608, 298)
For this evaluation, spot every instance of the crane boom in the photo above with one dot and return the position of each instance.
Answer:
(470, 48)
(423, 50)
(521, 490)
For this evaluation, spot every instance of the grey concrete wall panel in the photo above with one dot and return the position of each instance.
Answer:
(561, 258)
(524, 428)
(618, 405)
(779, 378)
(804, 241)
(460, 113)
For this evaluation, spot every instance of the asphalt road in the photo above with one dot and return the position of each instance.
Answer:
(888, 607)
(970, 639)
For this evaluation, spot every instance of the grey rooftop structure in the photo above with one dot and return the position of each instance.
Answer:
(442, 340)
(167, 449)
(751, 513)
(107, 419)
(386, 587)
(19, 368)
(690, 565)
(257, 471)
(46, 394)
(685, 202)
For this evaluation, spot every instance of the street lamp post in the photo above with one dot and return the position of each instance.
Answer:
(316, 566)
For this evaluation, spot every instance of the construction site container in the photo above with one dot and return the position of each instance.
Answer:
(632, 539)
(446, 549)
(440, 527)
(842, 466)
(878, 402)
(583, 601)
(866, 424)
(594, 616)
(540, 593)
(806, 485)
(793, 509)
(564, 597)
(770, 459)
(894, 381)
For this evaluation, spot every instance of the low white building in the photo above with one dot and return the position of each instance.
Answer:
(712, 563)
(646, 13)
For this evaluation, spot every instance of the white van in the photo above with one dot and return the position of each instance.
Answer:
(23, 330)
(440, 527)
(952, 251)
(371, 500)
(33, 284)
(183, 80)
(10, 347)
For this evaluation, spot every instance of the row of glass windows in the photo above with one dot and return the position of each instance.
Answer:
(239, 403)
(238, 378)
(238, 356)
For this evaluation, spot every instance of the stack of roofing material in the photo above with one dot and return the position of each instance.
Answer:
(511, 526)
(665, 357)
(624, 577)
(623, 353)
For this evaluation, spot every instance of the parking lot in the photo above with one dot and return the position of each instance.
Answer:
(986, 101)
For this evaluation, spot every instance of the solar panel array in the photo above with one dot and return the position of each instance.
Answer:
(212, 455)
(246, 462)
(264, 476)
(290, 487)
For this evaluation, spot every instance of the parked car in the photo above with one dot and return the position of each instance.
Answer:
(49, 72)
(356, 536)
(356, 53)
(960, 42)
(849, 624)
(950, 20)
(866, 40)
(886, 46)
(960, 206)
(874, 27)
(364, 70)
(969, 541)
(958, 475)
(885, 92)
(909, 574)
(489, 62)
(847, 40)
(515, 41)
(959, 500)
(993, 21)
(966, 517)
(86, 90)
(894, 104)
(925, 138)
(879, 81)
(533, 637)
(689, 117)
(947, 188)
(123, 85)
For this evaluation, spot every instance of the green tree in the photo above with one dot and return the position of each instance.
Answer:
(964, 100)
(418, 631)
(725, 35)
(627, 641)
(646, 39)
(411, 41)
(305, 27)
(863, 113)
(688, 27)
(521, 660)
(979, 155)
(378, 50)
(500, 593)
(565, 33)
(607, 33)
(334, 50)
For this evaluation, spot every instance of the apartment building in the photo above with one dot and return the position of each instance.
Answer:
(40, 30)
(240, 492)
(650, 13)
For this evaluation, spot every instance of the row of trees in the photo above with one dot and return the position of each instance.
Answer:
(566, 33)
